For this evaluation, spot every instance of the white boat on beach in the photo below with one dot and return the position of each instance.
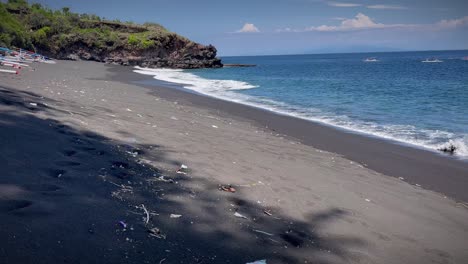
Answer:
(19, 58)
(371, 59)
(432, 60)
(9, 71)
(4, 61)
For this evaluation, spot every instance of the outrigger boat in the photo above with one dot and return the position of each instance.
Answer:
(371, 59)
(9, 71)
(13, 63)
(431, 60)
(25, 56)
(19, 58)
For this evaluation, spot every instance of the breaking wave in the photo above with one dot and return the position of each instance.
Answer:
(226, 90)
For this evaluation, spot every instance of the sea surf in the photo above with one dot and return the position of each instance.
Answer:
(396, 97)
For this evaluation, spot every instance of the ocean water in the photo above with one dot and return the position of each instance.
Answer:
(399, 97)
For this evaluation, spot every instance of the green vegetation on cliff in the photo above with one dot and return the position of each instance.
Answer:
(35, 26)
(64, 34)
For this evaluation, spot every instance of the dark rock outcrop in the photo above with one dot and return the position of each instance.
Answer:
(168, 56)
(63, 34)
(174, 54)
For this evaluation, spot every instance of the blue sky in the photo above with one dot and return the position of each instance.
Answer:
(260, 27)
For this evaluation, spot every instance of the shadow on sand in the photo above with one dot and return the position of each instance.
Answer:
(64, 191)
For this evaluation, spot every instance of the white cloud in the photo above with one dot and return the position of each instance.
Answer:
(248, 28)
(361, 21)
(287, 29)
(453, 23)
(392, 7)
(340, 4)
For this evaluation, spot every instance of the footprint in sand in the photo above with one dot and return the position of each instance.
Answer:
(45, 189)
(93, 151)
(121, 170)
(69, 153)
(66, 132)
(100, 153)
(12, 205)
(294, 238)
(80, 141)
(25, 208)
(67, 163)
(238, 202)
(63, 129)
(57, 173)
(42, 187)
(87, 148)
(94, 136)
(120, 165)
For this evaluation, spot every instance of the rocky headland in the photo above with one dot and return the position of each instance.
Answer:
(62, 34)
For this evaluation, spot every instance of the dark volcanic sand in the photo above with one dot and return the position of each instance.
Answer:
(440, 173)
(80, 152)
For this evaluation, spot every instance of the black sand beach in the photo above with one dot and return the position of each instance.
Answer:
(89, 166)
(438, 172)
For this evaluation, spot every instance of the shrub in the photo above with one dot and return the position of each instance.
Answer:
(12, 31)
(29, 26)
(133, 40)
(40, 37)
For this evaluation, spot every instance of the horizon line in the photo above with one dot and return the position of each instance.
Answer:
(352, 52)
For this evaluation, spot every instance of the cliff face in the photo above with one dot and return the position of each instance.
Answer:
(171, 51)
(147, 46)
(66, 35)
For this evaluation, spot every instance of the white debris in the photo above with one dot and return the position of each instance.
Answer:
(213, 126)
(183, 169)
(175, 215)
(236, 214)
(33, 104)
(263, 261)
(367, 200)
(263, 232)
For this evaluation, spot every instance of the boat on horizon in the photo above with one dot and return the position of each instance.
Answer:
(371, 59)
(432, 60)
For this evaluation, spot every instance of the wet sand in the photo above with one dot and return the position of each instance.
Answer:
(434, 171)
(82, 148)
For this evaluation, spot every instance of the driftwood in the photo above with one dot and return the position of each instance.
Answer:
(146, 212)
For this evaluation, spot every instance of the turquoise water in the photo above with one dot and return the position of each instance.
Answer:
(399, 97)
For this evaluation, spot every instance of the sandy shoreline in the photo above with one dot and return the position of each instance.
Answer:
(430, 170)
(82, 150)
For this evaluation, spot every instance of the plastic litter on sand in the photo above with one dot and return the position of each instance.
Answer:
(183, 169)
(236, 214)
(175, 216)
(263, 261)
(227, 188)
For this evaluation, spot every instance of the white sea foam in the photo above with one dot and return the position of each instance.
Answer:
(194, 82)
(225, 89)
